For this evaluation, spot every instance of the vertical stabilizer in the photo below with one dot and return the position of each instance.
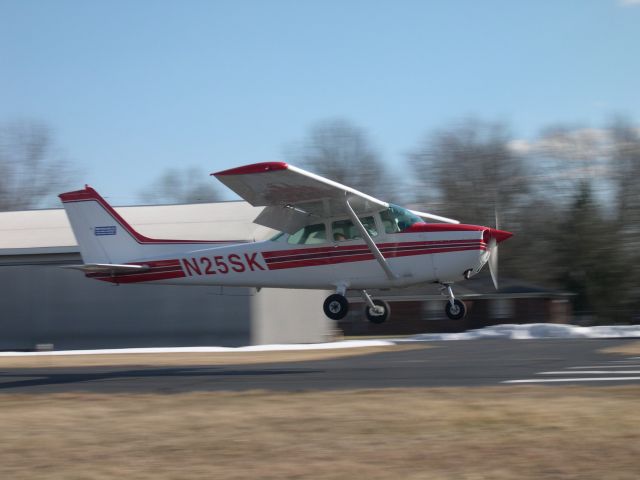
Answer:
(102, 234)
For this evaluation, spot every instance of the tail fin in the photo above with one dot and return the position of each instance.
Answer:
(102, 234)
(106, 238)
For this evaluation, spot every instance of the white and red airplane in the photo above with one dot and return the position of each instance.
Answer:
(332, 237)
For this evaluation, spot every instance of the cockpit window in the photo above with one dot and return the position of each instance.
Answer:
(309, 235)
(397, 219)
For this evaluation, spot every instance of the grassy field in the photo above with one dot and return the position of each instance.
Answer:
(456, 433)
(632, 348)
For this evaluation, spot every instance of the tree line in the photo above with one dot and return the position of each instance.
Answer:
(570, 195)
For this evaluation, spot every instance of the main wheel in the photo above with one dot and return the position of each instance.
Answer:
(456, 311)
(336, 306)
(374, 317)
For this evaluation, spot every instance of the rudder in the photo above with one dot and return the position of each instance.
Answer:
(102, 234)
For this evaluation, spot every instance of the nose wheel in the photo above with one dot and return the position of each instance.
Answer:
(455, 309)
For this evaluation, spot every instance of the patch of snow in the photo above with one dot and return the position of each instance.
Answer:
(534, 331)
(513, 332)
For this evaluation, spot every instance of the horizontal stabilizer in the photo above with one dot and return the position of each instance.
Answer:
(108, 268)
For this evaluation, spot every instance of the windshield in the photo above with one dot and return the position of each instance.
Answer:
(278, 237)
(397, 219)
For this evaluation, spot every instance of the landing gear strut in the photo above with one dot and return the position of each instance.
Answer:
(455, 309)
(336, 307)
(376, 311)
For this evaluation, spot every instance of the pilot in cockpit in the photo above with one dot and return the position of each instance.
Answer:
(339, 237)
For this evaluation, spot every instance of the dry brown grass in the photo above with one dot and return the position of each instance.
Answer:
(627, 349)
(184, 359)
(457, 433)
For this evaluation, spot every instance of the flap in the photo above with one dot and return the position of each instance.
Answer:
(285, 219)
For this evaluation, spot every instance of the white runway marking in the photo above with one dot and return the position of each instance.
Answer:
(611, 369)
(593, 372)
(582, 379)
(605, 366)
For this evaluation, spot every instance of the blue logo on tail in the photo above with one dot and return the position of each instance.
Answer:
(109, 230)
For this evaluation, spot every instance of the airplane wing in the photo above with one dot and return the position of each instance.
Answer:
(431, 216)
(294, 197)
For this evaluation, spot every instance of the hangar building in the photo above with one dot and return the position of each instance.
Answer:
(43, 305)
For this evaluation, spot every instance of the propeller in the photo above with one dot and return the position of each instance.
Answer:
(493, 252)
(493, 261)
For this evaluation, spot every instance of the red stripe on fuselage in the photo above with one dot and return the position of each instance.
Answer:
(329, 260)
(355, 248)
(142, 277)
(386, 249)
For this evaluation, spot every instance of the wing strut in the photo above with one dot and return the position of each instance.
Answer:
(369, 241)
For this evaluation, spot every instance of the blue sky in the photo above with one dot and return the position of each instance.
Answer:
(132, 88)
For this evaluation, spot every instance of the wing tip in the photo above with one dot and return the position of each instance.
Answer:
(253, 168)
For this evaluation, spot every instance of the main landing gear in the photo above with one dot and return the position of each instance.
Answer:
(455, 309)
(336, 307)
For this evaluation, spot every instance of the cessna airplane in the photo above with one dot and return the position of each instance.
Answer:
(332, 237)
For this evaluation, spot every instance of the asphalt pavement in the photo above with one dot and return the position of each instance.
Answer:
(439, 364)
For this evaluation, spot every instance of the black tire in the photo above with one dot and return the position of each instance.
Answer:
(380, 318)
(336, 306)
(457, 311)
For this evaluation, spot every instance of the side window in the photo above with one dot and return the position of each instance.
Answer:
(309, 235)
(346, 230)
(370, 224)
(342, 230)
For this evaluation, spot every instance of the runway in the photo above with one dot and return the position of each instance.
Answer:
(435, 364)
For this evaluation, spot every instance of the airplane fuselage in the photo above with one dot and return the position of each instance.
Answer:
(332, 237)
(415, 257)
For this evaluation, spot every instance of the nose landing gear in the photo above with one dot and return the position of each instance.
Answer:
(455, 309)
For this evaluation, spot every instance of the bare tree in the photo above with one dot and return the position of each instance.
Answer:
(624, 167)
(468, 170)
(341, 151)
(565, 157)
(190, 185)
(624, 163)
(32, 169)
